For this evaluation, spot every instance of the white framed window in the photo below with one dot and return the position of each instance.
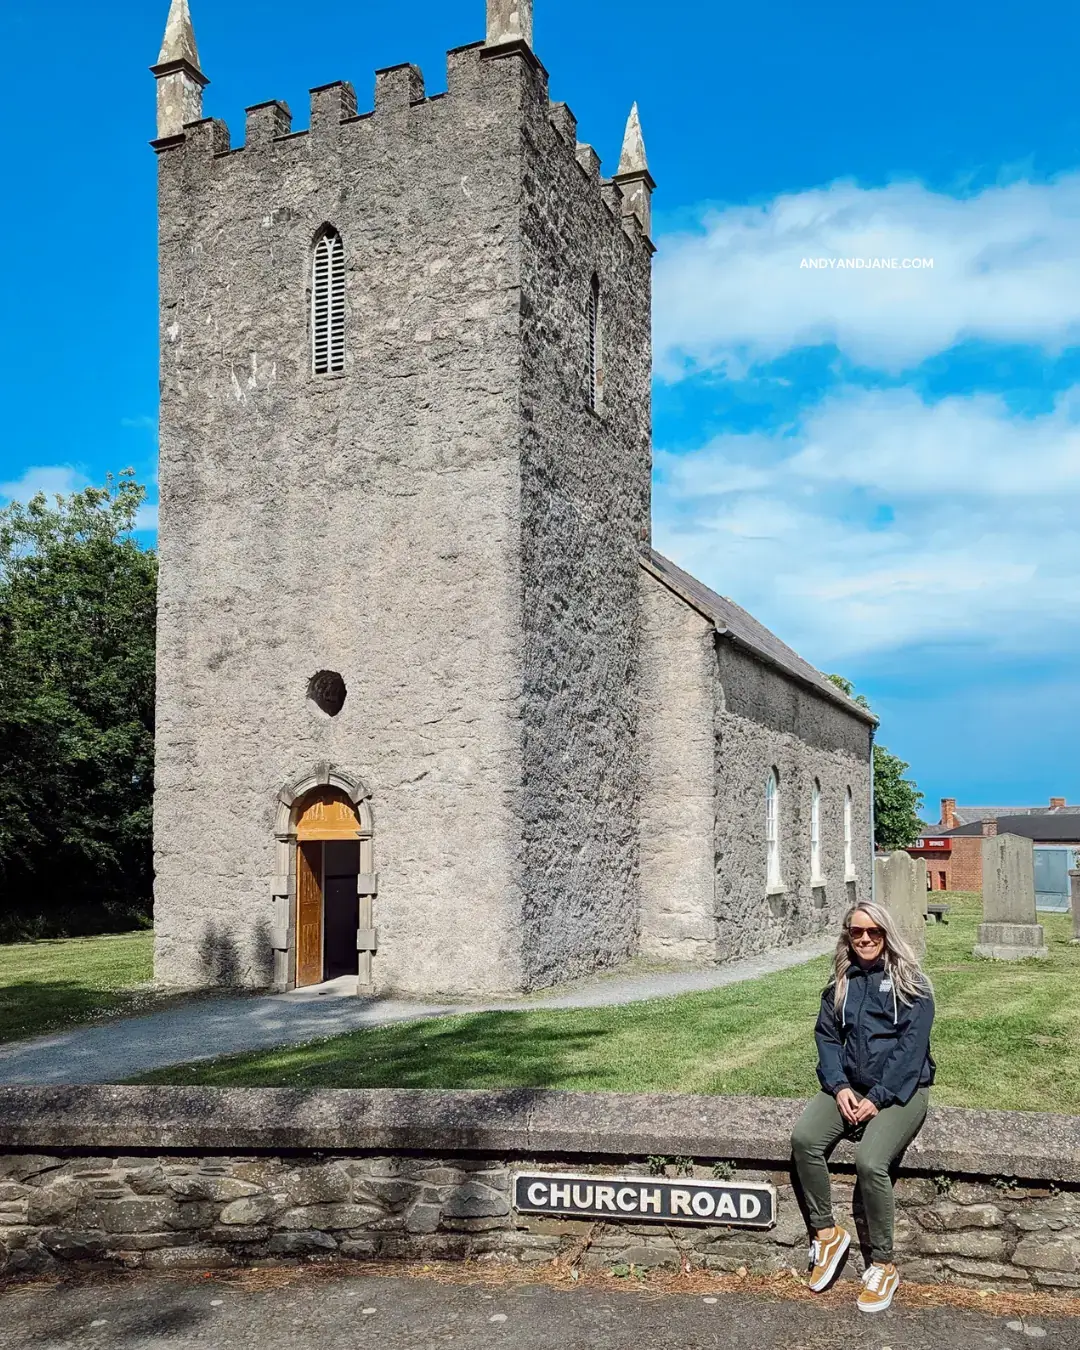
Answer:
(328, 303)
(815, 835)
(594, 352)
(849, 837)
(772, 832)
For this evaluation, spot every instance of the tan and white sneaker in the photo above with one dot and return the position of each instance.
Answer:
(825, 1257)
(880, 1283)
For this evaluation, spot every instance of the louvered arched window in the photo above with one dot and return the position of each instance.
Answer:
(594, 367)
(328, 303)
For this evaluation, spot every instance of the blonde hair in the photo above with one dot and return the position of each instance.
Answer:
(909, 980)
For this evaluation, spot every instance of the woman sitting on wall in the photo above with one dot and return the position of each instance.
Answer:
(876, 1070)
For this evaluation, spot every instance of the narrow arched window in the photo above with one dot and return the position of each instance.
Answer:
(772, 830)
(328, 303)
(849, 835)
(815, 835)
(594, 355)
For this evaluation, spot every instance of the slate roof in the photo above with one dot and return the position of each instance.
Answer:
(1046, 825)
(969, 815)
(734, 623)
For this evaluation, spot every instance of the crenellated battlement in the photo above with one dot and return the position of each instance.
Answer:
(399, 93)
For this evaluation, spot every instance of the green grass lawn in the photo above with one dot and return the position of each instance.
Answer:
(45, 986)
(1007, 1035)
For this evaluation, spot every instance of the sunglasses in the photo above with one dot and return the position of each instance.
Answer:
(874, 934)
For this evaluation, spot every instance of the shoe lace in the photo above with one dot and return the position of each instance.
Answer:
(814, 1257)
(872, 1278)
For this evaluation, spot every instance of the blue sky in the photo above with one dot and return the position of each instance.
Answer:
(883, 465)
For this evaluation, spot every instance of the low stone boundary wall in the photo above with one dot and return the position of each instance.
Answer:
(205, 1178)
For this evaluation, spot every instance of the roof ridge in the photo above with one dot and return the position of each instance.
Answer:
(732, 621)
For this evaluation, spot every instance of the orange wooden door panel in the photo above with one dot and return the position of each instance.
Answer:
(327, 813)
(309, 915)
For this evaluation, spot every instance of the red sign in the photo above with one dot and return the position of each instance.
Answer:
(930, 845)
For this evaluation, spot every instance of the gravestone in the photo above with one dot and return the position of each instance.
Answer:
(1074, 903)
(1010, 930)
(900, 887)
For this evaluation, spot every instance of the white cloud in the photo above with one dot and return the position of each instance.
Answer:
(882, 522)
(51, 479)
(1006, 269)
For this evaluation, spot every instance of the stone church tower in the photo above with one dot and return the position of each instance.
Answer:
(405, 468)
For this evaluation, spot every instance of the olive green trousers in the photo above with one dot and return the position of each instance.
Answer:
(878, 1144)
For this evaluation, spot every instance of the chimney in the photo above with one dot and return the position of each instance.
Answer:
(1057, 803)
(948, 813)
(989, 829)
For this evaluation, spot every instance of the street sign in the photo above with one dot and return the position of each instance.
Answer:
(572, 1195)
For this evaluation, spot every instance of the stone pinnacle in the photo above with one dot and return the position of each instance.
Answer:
(509, 21)
(633, 152)
(179, 44)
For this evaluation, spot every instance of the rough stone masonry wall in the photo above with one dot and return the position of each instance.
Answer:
(195, 1207)
(764, 719)
(585, 484)
(365, 523)
(678, 691)
(198, 1212)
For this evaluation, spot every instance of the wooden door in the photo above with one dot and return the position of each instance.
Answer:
(309, 914)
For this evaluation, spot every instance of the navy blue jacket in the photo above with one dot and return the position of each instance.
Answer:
(877, 1045)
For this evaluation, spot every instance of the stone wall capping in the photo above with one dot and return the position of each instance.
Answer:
(1037, 1147)
(517, 47)
(466, 47)
(168, 142)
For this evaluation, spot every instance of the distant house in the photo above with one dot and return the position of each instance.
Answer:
(953, 848)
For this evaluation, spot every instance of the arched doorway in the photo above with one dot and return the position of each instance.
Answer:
(324, 806)
(333, 915)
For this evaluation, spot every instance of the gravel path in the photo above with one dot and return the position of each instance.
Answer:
(117, 1050)
(384, 1312)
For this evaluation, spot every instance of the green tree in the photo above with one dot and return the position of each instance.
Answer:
(77, 621)
(897, 800)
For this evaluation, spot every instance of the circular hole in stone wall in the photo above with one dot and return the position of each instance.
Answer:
(327, 691)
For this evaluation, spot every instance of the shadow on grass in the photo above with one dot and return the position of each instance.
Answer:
(37, 1007)
(482, 1050)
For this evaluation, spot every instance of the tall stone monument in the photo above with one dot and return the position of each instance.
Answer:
(1074, 888)
(900, 887)
(1010, 930)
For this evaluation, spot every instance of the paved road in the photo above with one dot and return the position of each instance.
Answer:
(396, 1313)
(114, 1051)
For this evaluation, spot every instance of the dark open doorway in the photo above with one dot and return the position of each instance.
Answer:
(341, 865)
(327, 910)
